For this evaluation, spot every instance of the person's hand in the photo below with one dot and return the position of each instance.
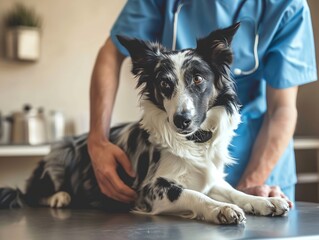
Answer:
(266, 191)
(105, 158)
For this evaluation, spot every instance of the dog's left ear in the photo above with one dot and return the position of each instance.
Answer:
(215, 48)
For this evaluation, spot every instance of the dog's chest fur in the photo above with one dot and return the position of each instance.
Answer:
(195, 175)
(157, 151)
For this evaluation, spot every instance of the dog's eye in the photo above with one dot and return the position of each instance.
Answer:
(164, 84)
(197, 79)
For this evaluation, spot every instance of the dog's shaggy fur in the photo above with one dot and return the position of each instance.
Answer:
(178, 148)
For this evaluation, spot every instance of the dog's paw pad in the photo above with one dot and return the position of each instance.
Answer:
(59, 200)
(230, 215)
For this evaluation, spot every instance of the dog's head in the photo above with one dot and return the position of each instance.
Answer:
(185, 84)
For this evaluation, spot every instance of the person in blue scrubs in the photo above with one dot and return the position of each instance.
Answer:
(267, 75)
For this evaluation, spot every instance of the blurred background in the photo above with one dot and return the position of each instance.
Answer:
(51, 86)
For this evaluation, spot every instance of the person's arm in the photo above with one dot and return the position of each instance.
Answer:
(106, 156)
(276, 132)
(286, 63)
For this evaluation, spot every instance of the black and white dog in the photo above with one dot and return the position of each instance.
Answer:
(178, 148)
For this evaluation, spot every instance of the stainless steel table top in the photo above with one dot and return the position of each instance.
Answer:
(43, 223)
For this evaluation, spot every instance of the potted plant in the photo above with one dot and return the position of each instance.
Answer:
(23, 33)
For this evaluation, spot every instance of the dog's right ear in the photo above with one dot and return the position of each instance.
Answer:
(134, 46)
(143, 54)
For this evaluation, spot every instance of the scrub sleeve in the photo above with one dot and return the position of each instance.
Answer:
(138, 19)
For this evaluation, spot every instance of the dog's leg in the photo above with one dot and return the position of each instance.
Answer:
(272, 206)
(47, 180)
(43, 183)
(165, 197)
(57, 200)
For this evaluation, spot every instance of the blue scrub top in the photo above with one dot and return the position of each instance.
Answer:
(286, 53)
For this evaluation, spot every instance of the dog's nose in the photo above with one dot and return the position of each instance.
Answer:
(182, 121)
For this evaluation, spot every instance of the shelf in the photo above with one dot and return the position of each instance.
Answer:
(308, 178)
(41, 150)
(24, 150)
(306, 143)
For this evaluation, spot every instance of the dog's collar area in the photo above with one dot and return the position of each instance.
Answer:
(200, 136)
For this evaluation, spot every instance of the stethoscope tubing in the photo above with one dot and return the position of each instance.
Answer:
(237, 71)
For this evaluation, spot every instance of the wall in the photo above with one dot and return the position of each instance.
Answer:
(308, 97)
(73, 32)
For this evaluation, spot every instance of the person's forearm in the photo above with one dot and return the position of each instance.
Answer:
(104, 84)
(276, 131)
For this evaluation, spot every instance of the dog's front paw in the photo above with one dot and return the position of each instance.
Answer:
(267, 206)
(228, 214)
(59, 200)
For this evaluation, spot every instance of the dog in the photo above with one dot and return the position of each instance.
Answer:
(179, 147)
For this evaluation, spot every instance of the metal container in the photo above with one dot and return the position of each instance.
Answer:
(28, 127)
(5, 129)
(1, 126)
(56, 126)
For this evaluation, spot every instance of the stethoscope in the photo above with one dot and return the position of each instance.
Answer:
(236, 71)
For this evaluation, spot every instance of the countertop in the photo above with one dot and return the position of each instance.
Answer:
(302, 222)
